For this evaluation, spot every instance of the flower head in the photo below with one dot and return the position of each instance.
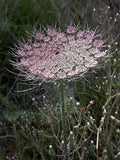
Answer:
(55, 55)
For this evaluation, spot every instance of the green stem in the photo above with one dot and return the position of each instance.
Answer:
(63, 118)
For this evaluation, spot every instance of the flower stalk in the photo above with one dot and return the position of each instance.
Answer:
(63, 118)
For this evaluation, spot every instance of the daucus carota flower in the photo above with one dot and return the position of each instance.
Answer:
(55, 55)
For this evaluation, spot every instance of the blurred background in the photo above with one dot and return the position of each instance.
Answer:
(17, 17)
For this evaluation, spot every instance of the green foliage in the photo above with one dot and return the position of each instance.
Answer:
(19, 16)
(1, 156)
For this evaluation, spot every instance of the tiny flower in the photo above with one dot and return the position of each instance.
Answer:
(98, 43)
(92, 102)
(90, 34)
(112, 117)
(118, 93)
(71, 29)
(92, 142)
(46, 39)
(51, 150)
(71, 98)
(51, 32)
(100, 54)
(88, 123)
(36, 45)
(33, 99)
(118, 153)
(71, 132)
(39, 36)
(77, 103)
(117, 14)
(27, 47)
(117, 130)
(104, 111)
(116, 112)
(61, 35)
(80, 34)
(21, 53)
(77, 126)
(104, 151)
(50, 146)
(102, 119)
(82, 109)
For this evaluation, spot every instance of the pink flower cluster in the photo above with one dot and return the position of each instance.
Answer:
(60, 55)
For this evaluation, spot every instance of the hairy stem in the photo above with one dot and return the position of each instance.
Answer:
(63, 119)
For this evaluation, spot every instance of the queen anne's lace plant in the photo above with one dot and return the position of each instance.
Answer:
(55, 55)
